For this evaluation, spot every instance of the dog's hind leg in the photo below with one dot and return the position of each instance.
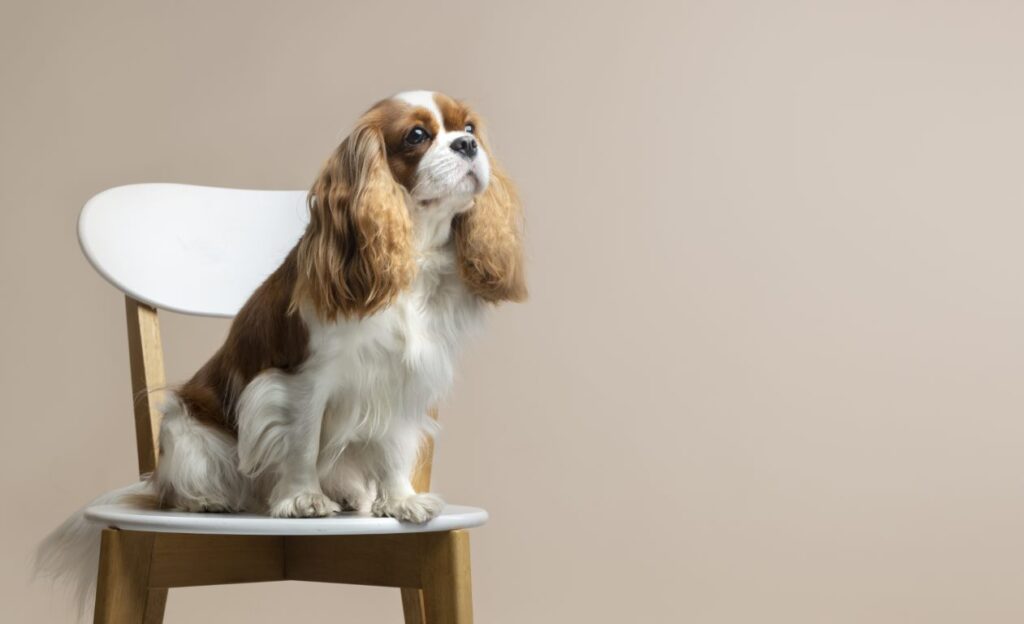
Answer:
(198, 468)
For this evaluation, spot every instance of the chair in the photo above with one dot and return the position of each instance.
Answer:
(201, 250)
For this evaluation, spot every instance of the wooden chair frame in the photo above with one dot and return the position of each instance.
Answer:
(136, 569)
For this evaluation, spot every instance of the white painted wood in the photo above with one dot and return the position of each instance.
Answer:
(191, 249)
(348, 523)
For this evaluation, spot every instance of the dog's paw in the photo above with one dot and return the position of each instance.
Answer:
(416, 508)
(305, 505)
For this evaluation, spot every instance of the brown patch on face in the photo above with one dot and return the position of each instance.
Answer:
(454, 113)
(395, 119)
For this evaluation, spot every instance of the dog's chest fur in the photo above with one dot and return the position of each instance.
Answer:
(387, 370)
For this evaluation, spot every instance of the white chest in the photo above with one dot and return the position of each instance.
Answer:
(397, 363)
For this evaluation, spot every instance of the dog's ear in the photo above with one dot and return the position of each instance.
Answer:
(488, 240)
(357, 252)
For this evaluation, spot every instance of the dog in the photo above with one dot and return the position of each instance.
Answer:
(319, 398)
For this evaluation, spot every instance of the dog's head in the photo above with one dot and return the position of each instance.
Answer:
(418, 157)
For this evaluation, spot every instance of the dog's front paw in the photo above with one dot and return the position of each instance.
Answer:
(415, 508)
(305, 505)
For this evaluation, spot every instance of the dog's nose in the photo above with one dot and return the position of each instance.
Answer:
(465, 146)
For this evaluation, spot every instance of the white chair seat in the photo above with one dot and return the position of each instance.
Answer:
(347, 523)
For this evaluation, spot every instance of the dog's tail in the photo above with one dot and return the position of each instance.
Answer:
(70, 554)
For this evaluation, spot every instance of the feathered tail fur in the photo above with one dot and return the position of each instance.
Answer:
(70, 554)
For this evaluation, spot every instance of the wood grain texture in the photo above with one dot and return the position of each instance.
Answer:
(146, 358)
(123, 594)
(186, 560)
(156, 603)
(412, 606)
(383, 560)
(446, 578)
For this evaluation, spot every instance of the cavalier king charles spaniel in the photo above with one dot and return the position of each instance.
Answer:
(319, 398)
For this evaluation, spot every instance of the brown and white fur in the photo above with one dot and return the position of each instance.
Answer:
(319, 397)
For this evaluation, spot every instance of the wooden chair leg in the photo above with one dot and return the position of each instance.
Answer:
(447, 589)
(155, 604)
(412, 605)
(123, 595)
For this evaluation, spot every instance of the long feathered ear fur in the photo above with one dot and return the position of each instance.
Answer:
(488, 241)
(357, 252)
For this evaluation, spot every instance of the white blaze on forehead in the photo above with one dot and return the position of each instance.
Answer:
(423, 99)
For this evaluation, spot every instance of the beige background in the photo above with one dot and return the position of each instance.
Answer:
(771, 367)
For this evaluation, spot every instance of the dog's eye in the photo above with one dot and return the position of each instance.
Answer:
(416, 136)
(470, 128)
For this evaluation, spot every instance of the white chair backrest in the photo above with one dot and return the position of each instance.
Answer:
(190, 249)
